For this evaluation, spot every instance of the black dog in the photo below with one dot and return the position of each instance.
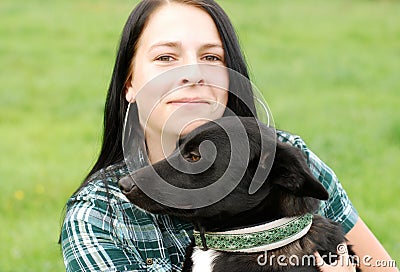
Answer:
(269, 229)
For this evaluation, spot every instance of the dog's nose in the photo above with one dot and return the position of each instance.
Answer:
(126, 184)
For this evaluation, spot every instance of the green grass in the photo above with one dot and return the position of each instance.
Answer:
(329, 71)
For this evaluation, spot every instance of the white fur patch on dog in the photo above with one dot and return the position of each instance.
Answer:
(203, 260)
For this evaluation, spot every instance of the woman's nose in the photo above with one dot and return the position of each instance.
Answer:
(192, 74)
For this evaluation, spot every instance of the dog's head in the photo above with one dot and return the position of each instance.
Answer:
(207, 156)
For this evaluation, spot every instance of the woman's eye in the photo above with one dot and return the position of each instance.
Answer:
(212, 58)
(165, 58)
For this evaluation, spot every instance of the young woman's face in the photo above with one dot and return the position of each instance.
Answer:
(183, 40)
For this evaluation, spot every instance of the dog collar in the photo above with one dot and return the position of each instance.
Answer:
(268, 236)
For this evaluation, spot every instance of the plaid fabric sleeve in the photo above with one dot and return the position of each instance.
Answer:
(88, 243)
(338, 207)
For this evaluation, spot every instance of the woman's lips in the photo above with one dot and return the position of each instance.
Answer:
(191, 101)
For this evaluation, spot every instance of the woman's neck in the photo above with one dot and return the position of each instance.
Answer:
(160, 146)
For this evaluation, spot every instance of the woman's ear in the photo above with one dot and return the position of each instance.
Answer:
(130, 94)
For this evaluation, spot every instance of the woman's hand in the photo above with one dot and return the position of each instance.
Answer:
(343, 264)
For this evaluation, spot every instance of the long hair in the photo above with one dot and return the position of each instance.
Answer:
(240, 100)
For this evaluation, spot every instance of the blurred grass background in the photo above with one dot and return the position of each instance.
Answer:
(328, 69)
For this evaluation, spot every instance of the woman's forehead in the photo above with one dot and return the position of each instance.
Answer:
(174, 24)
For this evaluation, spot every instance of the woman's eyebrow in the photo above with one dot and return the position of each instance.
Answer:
(178, 44)
(212, 45)
(165, 44)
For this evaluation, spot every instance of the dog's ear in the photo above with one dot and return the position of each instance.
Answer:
(290, 171)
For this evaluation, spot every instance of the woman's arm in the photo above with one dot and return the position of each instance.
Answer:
(88, 239)
(372, 255)
(87, 247)
(369, 249)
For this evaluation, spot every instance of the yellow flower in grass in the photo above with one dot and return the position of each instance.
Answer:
(19, 195)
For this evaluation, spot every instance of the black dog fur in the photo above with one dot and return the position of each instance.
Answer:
(289, 190)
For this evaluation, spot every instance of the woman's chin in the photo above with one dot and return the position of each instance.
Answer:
(192, 125)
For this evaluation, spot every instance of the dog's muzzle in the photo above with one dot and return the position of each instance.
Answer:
(126, 184)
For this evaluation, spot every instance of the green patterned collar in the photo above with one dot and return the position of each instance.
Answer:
(259, 238)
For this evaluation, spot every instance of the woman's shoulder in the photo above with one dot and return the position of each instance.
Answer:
(339, 207)
(103, 185)
(293, 139)
(101, 203)
(101, 197)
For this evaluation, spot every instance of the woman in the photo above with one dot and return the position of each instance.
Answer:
(102, 231)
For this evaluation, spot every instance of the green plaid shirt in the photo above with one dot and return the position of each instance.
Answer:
(103, 231)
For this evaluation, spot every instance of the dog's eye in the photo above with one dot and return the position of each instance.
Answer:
(193, 157)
